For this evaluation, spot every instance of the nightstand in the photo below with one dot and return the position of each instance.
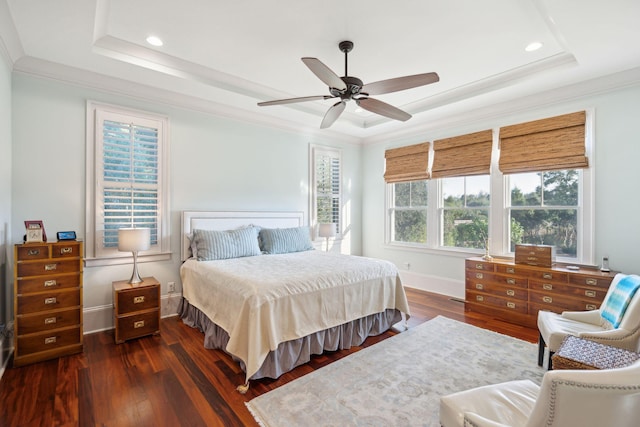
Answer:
(136, 309)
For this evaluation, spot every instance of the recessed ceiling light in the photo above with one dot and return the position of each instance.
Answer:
(533, 46)
(154, 41)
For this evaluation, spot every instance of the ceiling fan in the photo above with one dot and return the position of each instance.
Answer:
(349, 87)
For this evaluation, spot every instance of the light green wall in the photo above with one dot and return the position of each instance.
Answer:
(215, 164)
(6, 292)
(617, 174)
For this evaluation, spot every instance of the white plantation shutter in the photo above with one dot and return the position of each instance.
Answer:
(327, 179)
(129, 183)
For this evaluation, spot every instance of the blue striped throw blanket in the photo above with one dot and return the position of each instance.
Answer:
(616, 303)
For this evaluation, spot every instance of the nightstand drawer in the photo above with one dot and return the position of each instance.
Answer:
(137, 299)
(48, 321)
(48, 340)
(137, 325)
(48, 301)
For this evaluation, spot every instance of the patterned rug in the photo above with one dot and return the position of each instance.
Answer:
(399, 381)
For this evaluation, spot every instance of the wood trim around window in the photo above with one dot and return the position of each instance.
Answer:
(463, 155)
(408, 163)
(556, 143)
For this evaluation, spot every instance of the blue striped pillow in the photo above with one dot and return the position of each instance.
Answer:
(285, 240)
(615, 305)
(213, 244)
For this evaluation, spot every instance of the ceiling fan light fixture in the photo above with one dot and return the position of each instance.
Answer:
(155, 41)
(533, 46)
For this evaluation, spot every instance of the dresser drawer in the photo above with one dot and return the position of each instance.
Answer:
(49, 340)
(502, 291)
(512, 270)
(137, 299)
(479, 265)
(479, 276)
(552, 289)
(48, 283)
(32, 252)
(137, 325)
(39, 268)
(66, 250)
(517, 306)
(551, 275)
(35, 303)
(47, 321)
(558, 304)
(599, 282)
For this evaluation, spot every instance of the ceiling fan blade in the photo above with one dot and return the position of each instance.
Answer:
(332, 114)
(292, 100)
(399, 83)
(324, 73)
(383, 109)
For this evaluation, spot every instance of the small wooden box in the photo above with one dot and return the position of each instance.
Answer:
(538, 255)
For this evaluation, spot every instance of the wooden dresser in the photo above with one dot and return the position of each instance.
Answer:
(47, 300)
(516, 292)
(136, 309)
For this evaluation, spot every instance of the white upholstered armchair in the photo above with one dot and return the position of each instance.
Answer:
(591, 325)
(565, 398)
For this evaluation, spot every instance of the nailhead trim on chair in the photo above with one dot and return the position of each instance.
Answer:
(604, 340)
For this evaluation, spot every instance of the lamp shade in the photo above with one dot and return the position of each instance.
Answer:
(327, 230)
(134, 239)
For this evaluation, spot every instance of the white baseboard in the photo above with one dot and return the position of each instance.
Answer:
(100, 318)
(438, 285)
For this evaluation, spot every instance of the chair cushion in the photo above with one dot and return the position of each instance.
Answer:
(509, 403)
(618, 299)
(554, 327)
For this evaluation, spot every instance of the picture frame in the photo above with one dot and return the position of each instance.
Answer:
(33, 235)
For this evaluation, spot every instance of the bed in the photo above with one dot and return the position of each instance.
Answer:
(256, 288)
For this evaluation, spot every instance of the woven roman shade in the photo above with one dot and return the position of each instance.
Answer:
(409, 163)
(462, 155)
(555, 143)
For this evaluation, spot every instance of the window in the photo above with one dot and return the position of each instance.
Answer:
(409, 212)
(327, 189)
(544, 210)
(465, 211)
(126, 179)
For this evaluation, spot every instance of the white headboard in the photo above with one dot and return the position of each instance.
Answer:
(217, 220)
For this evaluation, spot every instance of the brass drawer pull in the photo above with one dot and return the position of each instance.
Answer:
(48, 283)
(547, 299)
(50, 267)
(511, 292)
(511, 281)
(511, 270)
(479, 298)
(547, 276)
(33, 252)
(511, 304)
(51, 300)
(138, 300)
(64, 251)
(547, 286)
(590, 307)
(591, 282)
(138, 324)
(50, 340)
(50, 320)
(479, 286)
(590, 294)
(479, 276)
(479, 267)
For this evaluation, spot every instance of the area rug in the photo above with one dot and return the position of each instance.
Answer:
(399, 381)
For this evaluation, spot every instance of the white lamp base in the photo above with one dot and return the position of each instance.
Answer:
(135, 277)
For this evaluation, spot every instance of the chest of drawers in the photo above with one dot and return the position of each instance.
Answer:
(47, 300)
(515, 292)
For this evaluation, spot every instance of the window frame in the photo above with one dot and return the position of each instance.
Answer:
(99, 256)
(498, 211)
(314, 152)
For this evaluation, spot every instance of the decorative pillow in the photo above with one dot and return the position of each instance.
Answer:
(285, 240)
(615, 305)
(213, 244)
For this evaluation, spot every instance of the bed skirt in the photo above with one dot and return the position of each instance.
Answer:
(296, 352)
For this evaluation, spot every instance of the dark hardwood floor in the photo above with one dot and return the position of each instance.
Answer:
(170, 379)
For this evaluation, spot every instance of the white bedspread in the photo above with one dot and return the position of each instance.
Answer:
(264, 300)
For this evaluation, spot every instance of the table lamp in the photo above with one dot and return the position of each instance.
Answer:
(326, 231)
(134, 240)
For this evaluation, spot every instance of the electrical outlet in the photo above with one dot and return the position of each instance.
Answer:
(172, 286)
